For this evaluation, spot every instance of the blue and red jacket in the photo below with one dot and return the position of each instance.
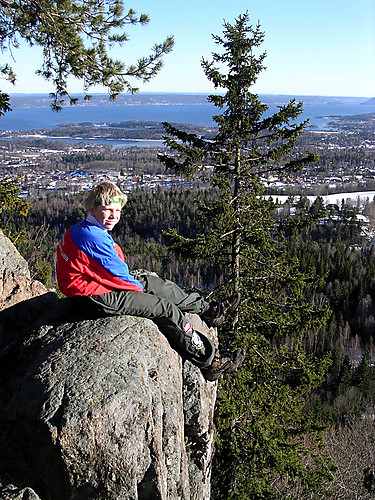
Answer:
(89, 262)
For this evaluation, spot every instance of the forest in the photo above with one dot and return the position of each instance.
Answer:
(333, 249)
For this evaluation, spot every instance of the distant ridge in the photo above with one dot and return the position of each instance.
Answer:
(369, 101)
(22, 101)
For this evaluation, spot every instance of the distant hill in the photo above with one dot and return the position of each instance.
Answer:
(358, 123)
(369, 101)
(125, 130)
(44, 100)
(19, 101)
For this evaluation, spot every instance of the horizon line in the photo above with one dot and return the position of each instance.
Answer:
(190, 93)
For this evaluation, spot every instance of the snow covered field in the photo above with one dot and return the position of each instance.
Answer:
(333, 198)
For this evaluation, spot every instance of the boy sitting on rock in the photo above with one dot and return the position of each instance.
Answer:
(90, 265)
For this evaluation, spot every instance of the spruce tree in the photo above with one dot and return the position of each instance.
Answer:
(268, 435)
(9, 196)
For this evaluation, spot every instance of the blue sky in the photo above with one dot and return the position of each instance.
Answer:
(320, 47)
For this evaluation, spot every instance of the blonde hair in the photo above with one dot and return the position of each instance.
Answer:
(105, 193)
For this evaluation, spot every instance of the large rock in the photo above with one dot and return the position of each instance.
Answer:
(101, 408)
(16, 284)
(23, 300)
(11, 492)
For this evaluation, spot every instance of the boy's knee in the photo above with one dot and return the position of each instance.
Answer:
(168, 307)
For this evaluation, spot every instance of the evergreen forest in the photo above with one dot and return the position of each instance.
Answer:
(333, 249)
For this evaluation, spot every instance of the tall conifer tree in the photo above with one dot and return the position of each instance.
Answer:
(268, 435)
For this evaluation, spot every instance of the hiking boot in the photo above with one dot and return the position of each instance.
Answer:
(218, 310)
(225, 362)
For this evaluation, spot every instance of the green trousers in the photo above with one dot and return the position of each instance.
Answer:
(165, 303)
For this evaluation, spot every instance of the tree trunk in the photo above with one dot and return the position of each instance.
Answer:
(236, 246)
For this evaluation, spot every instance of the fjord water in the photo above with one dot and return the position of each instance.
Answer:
(197, 114)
